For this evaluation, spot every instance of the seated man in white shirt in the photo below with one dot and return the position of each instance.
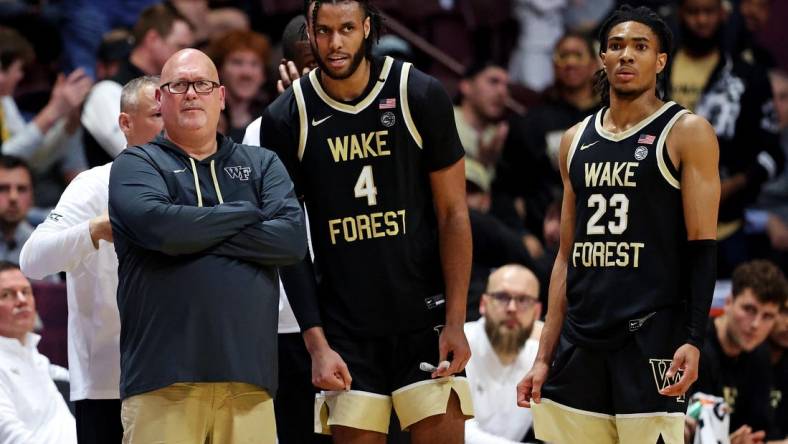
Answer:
(77, 238)
(32, 411)
(503, 345)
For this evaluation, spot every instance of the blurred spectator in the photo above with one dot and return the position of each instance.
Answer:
(551, 228)
(503, 346)
(771, 216)
(114, 49)
(480, 114)
(735, 98)
(735, 361)
(241, 58)
(527, 178)
(773, 35)
(31, 408)
(77, 238)
(295, 46)
(393, 46)
(297, 60)
(16, 198)
(209, 24)
(748, 35)
(494, 244)
(54, 131)
(158, 34)
(84, 23)
(583, 16)
(297, 56)
(541, 25)
(778, 344)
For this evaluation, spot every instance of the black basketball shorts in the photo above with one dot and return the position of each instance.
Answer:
(614, 396)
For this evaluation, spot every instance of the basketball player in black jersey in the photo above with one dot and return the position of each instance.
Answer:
(373, 150)
(632, 284)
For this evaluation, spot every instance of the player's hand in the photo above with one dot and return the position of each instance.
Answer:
(100, 228)
(745, 435)
(530, 387)
(686, 360)
(70, 91)
(288, 73)
(452, 341)
(329, 371)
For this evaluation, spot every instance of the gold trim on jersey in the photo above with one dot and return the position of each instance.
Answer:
(353, 408)
(423, 399)
(302, 120)
(555, 422)
(575, 141)
(617, 137)
(649, 427)
(403, 97)
(663, 167)
(360, 106)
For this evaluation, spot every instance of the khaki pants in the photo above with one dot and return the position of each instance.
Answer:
(200, 413)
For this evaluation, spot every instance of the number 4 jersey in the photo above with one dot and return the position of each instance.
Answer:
(363, 169)
(626, 257)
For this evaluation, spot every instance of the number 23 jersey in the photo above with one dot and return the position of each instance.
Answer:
(626, 256)
(363, 169)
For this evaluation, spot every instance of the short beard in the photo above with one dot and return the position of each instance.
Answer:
(506, 341)
(7, 223)
(699, 46)
(355, 61)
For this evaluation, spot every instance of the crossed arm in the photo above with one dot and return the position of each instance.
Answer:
(141, 209)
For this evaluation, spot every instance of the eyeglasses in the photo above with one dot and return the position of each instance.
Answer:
(504, 298)
(181, 86)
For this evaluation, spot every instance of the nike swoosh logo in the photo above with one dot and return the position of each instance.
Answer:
(588, 145)
(179, 171)
(318, 122)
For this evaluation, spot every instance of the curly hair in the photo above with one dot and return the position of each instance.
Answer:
(371, 12)
(239, 40)
(642, 15)
(764, 279)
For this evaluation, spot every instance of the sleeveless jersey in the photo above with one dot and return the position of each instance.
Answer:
(367, 192)
(626, 257)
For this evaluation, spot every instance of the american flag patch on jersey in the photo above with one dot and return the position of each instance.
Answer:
(387, 104)
(646, 139)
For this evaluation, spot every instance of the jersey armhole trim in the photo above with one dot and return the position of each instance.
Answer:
(575, 141)
(663, 167)
(403, 94)
(302, 121)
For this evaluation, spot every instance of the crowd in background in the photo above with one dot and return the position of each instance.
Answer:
(522, 72)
